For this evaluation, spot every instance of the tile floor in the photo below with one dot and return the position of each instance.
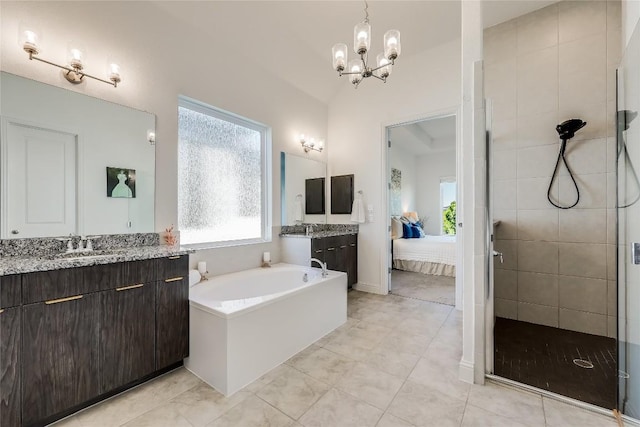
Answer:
(394, 363)
(427, 287)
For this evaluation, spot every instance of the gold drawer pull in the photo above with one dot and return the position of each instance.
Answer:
(175, 257)
(331, 249)
(174, 279)
(1, 310)
(343, 246)
(352, 244)
(56, 301)
(124, 288)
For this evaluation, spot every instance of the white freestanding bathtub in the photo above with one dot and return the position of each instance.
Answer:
(244, 324)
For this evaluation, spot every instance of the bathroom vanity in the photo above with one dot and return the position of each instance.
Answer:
(334, 244)
(87, 329)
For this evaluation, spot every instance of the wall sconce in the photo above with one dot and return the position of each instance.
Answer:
(29, 40)
(311, 144)
(151, 137)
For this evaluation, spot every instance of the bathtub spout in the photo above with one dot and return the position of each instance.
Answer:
(322, 265)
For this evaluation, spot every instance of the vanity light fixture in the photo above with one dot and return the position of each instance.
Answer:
(311, 144)
(73, 71)
(358, 69)
(151, 137)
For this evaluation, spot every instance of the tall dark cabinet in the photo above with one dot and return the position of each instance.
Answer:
(172, 311)
(10, 350)
(59, 355)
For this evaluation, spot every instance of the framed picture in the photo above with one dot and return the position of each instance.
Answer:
(121, 183)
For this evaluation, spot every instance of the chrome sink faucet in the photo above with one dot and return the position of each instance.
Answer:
(308, 229)
(323, 265)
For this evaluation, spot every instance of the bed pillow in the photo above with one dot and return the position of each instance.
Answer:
(396, 229)
(409, 231)
(419, 231)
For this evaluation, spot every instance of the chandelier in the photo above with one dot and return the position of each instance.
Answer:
(359, 69)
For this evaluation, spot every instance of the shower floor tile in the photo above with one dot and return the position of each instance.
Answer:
(542, 356)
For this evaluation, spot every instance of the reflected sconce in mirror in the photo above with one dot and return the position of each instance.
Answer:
(311, 144)
(73, 71)
(151, 137)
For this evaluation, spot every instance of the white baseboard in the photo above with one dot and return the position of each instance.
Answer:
(365, 287)
(466, 371)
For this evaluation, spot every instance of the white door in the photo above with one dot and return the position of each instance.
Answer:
(39, 182)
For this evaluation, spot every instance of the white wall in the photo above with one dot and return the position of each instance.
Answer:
(405, 162)
(630, 17)
(431, 168)
(159, 63)
(420, 86)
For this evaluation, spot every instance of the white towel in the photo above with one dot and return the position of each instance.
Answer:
(357, 211)
(298, 211)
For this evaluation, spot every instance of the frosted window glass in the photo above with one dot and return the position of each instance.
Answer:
(220, 179)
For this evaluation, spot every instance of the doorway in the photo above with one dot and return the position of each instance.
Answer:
(422, 196)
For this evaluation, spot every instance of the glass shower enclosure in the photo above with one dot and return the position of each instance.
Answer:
(628, 228)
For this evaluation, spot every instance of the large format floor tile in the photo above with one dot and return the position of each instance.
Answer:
(396, 365)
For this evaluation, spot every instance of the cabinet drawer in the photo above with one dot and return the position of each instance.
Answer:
(104, 277)
(135, 272)
(10, 291)
(54, 284)
(173, 266)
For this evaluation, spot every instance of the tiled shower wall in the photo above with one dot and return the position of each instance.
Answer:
(541, 69)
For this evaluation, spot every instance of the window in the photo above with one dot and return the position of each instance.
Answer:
(448, 204)
(224, 177)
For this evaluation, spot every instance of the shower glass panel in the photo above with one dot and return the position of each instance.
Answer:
(628, 213)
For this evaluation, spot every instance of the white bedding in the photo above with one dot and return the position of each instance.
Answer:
(435, 249)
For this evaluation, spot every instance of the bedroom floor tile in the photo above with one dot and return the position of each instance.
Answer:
(426, 287)
(373, 374)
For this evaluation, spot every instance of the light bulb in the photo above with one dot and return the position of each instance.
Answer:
(29, 39)
(114, 73)
(361, 38)
(321, 144)
(75, 56)
(392, 44)
(355, 66)
(339, 51)
(385, 64)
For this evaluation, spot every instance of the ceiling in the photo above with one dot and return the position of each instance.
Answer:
(426, 136)
(292, 39)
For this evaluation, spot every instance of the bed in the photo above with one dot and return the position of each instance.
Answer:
(428, 255)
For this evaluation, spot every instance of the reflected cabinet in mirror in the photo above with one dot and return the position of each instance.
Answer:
(302, 190)
(72, 163)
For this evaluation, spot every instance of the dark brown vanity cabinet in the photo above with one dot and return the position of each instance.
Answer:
(75, 336)
(10, 346)
(60, 349)
(340, 253)
(127, 326)
(172, 310)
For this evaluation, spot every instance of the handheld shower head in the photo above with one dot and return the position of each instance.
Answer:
(568, 128)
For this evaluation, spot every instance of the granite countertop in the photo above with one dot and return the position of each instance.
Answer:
(18, 264)
(319, 234)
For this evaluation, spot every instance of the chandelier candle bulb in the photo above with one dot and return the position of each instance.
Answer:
(339, 56)
(362, 41)
(392, 44)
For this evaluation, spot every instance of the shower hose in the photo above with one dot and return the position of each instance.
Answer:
(561, 157)
(633, 172)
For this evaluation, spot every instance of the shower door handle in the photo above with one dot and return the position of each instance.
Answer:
(496, 253)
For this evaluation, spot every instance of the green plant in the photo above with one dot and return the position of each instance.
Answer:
(449, 219)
